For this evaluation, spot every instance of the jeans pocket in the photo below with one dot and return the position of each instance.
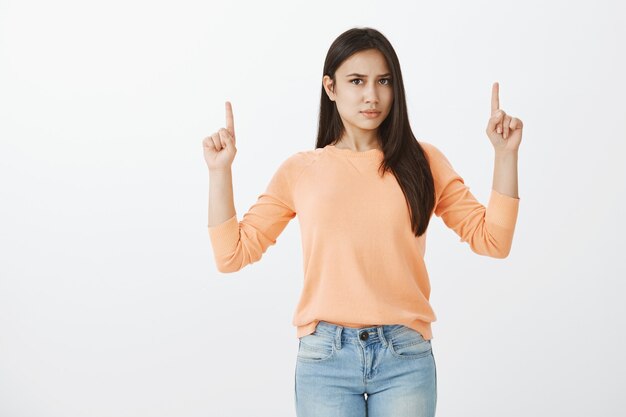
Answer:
(315, 347)
(409, 344)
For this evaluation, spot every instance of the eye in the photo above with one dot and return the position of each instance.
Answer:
(382, 79)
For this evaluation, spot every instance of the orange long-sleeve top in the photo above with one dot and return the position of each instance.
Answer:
(357, 242)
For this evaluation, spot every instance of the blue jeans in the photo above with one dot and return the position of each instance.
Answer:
(379, 371)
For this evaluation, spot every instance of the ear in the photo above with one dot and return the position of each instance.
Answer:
(327, 82)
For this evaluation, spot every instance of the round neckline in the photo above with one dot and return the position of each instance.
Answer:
(354, 154)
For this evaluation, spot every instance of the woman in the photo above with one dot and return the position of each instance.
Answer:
(364, 197)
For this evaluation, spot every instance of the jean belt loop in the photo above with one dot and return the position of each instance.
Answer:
(338, 331)
(381, 335)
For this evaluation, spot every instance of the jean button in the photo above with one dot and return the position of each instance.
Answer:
(364, 335)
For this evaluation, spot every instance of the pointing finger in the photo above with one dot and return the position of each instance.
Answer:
(495, 100)
(230, 121)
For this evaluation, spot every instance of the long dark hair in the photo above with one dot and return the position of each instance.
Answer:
(404, 156)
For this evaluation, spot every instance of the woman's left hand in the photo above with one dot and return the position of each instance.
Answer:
(504, 131)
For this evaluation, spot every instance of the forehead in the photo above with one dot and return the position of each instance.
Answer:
(365, 62)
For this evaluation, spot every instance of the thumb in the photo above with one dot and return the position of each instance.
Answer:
(496, 118)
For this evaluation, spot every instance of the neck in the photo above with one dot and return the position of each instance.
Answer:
(358, 144)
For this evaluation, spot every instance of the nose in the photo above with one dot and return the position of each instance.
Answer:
(371, 98)
(371, 95)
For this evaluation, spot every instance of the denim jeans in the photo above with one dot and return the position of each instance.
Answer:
(378, 371)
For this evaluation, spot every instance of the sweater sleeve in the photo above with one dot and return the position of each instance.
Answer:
(488, 230)
(239, 243)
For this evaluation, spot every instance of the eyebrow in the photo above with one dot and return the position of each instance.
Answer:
(365, 76)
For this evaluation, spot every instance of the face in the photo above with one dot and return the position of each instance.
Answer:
(371, 89)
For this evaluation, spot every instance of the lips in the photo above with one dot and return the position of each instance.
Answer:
(371, 111)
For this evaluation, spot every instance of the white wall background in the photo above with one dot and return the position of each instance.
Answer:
(110, 302)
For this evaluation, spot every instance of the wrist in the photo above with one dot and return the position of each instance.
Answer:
(506, 154)
(219, 171)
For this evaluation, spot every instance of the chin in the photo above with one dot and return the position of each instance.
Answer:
(370, 127)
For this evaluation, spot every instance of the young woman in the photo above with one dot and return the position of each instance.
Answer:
(364, 198)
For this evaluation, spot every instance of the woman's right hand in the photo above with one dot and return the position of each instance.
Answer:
(219, 148)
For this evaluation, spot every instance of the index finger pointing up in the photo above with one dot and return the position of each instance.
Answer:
(495, 100)
(230, 122)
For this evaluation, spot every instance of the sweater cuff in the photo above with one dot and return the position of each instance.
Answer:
(502, 210)
(225, 236)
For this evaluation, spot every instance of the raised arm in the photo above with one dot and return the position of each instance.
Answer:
(488, 230)
(239, 243)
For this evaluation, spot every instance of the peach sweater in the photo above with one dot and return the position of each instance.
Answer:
(357, 242)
